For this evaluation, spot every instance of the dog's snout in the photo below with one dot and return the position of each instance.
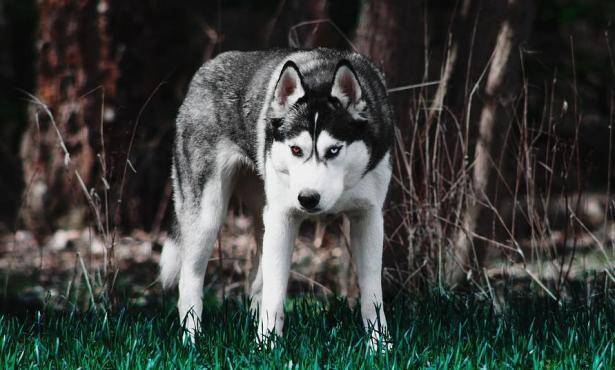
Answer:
(309, 199)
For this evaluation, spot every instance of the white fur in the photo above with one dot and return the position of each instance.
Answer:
(329, 179)
(344, 188)
(169, 264)
(366, 238)
(199, 233)
(281, 227)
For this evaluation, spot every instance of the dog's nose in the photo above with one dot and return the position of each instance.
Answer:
(309, 199)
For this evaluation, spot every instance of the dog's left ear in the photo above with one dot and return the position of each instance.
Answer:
(347, 90)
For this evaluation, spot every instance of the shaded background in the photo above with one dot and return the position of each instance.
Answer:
(113, 74)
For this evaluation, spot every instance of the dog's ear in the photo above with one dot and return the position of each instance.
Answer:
(288, 90)
(347, 90)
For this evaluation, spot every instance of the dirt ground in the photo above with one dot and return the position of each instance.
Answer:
(68, 269)
(53, 273)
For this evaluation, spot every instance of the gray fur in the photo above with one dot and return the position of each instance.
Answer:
(226, 96)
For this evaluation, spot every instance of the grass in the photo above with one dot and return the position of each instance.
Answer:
(438, 331)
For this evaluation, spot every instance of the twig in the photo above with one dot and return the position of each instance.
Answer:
(312, 281)
(537, 280)
(294, 42)
(414, 86)
(87, 280)
(67, 159)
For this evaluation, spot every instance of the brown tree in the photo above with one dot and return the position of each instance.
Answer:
(502, 81)
(76, 79)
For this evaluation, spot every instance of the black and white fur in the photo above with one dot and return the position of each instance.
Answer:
(297, 134)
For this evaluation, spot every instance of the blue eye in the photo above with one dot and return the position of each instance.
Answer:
(333, 151)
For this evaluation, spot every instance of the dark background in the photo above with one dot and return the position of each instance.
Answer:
(108, 69)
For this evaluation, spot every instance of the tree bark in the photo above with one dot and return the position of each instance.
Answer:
(17, 22)
(501, 86)
(390, 33)
(75, 70)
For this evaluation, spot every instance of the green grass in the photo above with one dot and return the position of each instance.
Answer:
(433, 332)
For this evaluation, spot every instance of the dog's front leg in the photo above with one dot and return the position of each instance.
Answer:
(280, 232)
(367, 233)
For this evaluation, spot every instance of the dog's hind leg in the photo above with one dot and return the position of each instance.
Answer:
(199, 227)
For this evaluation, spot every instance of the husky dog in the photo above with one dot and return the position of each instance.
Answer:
(312, 130)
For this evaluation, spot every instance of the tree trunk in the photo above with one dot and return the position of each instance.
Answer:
(17, 22)
(75, 71)
(7, 122)
(390, 32)
(502, 84)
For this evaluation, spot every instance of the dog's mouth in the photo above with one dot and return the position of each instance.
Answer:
(311, 211)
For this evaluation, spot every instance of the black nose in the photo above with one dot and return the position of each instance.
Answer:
(309, 199)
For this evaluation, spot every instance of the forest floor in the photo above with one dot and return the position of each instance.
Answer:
(54, 274)
(47, 319)
(32, 275)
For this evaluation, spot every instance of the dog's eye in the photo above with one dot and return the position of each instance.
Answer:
(332, 152)
(297, 152)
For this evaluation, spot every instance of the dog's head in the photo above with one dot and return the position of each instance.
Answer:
(318, 137)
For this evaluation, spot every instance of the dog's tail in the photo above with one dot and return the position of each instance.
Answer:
(170, 263)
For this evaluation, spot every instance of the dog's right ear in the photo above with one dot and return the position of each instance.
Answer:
(288, 90)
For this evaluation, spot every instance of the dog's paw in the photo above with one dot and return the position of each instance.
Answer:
(188, 338)
(380, 343)
(267, 342)
(255, 305)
